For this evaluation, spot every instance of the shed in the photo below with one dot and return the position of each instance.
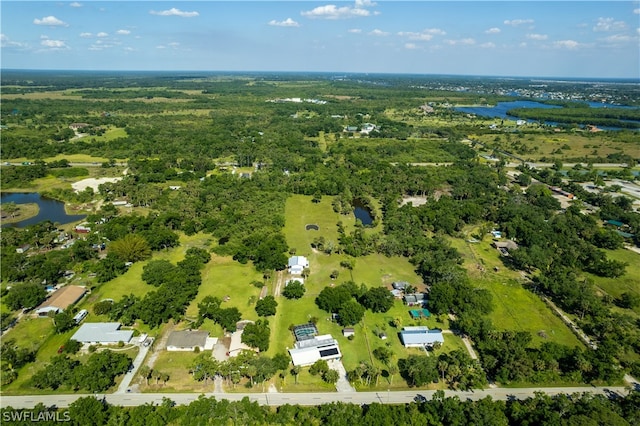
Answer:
(348, 331)
(413, 299)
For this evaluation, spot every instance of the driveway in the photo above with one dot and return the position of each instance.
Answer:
(126, 380)
(343, 384)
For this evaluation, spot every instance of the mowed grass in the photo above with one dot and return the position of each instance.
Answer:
(176, 365)
(223, 277)
(514, 307)
(628, 283)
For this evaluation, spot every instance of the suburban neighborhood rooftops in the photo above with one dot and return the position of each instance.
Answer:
(102, 332)
(62, 299)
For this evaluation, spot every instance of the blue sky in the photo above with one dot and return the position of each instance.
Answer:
(508, 38)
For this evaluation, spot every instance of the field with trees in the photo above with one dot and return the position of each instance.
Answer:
(224, 177)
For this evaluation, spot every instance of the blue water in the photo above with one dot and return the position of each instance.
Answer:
(500, 110)
(361, 212)
(52, 210)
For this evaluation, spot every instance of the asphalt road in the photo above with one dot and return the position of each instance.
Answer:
(276, 399)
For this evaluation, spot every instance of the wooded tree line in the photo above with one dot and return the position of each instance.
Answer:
(584, 409)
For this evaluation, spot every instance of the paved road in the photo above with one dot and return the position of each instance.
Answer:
(276, 399)
(126, 380)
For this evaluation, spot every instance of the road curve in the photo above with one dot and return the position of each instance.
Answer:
(276, 399)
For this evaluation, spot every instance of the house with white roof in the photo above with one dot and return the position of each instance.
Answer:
(417, 337)
(297, 264)
(307, 352)
(104, 333)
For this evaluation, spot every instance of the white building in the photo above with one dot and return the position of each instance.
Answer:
(104, 333)
(307, 352)
(189, 340)
(297, 264)
(414, 337)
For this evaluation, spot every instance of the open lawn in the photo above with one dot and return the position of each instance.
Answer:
(176, 365)
(562, 145)
(514, 307)
(224, 277)
(628, 283)
(25, 211)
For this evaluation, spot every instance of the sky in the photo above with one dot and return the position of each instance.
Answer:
(596, 39)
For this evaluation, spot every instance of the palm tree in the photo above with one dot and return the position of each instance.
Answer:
(442, 366)
(295, 371)
(393, 370)
(145, 372)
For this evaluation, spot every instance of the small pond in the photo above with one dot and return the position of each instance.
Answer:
(362, 212)
(50, 209)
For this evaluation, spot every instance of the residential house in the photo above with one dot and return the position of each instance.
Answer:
(307, 352)
(189, 340)
(414, 337)
(104, 333)
(297, 264)
(414, 299)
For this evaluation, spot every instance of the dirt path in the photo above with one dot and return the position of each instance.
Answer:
(279, 281)
(159, 345)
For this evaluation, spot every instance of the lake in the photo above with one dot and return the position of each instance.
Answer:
(52, 210)
(362, 212)
(500, 110)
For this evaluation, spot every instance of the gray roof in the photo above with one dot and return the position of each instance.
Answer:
(187, 339)
(107, 332)
(420, 336)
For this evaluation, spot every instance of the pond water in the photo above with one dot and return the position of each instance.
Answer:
(52, 210)
(362, 212)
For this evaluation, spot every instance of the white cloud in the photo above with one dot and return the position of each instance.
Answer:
(6, 42)
(378, 32)
(518, 22)
(609, 24)
(286, 23)
(636, 11)
(123, 32)
(618, 38)
(331, 11)
(494, 30)
(410, 46)
(86, 35)
(102, 34)
(537, 36)
(488, 45)
(54, 44)
(75, 4)
(461, 42)
(51, 21)
(424, 35)
(355, 30)
(566, 44)
(638, 31)
(175, 12)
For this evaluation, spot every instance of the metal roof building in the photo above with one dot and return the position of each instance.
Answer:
(61, 299)
(307, 352)
(188, 340)
(106, 333)
(420, 336)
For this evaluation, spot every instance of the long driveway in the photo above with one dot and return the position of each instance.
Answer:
(276, 399)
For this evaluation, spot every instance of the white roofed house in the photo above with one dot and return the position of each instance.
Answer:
(420, 337)
(307, 352)
(297, 264)
(104, 333)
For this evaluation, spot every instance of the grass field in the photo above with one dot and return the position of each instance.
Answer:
(514, 307)
(176, 365)
(560, 145)
(629, 282)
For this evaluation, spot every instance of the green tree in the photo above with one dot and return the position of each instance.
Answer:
(350, 313)
(267, 306)
(377, 299)
(294, 290)
(131, 248)
(257, 335)
(26, 295)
